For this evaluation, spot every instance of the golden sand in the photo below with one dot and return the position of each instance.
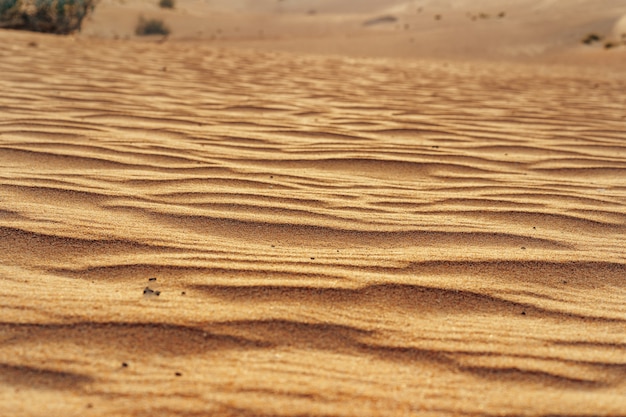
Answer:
(330, 236)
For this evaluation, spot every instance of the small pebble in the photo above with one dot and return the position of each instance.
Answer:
(148, 292)
(151, 279)
(124, 365)
(178, 374)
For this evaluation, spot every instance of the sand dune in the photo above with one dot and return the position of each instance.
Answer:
(329, 236)
(460, 29)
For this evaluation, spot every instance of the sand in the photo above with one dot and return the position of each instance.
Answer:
(520, 30)
(329, 235)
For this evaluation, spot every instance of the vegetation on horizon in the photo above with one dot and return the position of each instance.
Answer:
(609, 45)
(151, 27)
(49, 16)
(591, 39)
(606, 42)
(166, 4)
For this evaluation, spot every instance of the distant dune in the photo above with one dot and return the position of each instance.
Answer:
(190, 228)
(488, 29)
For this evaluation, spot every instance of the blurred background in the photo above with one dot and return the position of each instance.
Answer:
(513, 29)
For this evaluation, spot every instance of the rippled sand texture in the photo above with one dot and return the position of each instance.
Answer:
(331, 237)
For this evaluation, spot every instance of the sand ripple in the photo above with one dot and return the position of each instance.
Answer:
(329, 236)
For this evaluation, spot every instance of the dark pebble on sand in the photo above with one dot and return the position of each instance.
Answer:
(148, 291)
(178, 374)
(151, 279)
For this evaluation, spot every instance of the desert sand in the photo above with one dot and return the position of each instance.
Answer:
(193, 227)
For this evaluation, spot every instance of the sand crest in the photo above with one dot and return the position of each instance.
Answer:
(327, 236)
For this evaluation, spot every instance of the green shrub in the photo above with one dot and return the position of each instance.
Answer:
(151, 27)
(166, 4)
(6, 5)
(50, 16)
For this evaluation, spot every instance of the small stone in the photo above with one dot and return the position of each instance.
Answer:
(148, 292)
(151, 279)
(124, 365)
(178, 374)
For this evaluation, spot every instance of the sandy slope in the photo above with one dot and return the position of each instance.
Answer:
(331, 237)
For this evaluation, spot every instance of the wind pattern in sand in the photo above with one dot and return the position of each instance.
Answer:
(330, 236)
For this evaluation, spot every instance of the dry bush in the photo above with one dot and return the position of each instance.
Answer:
(591, 38)
(166, 4)
(151, 27)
